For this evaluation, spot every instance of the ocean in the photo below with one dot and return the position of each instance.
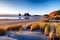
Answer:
(19, 17)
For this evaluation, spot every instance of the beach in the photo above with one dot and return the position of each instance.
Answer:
(6, 22)
(29, 19)
(26, 34)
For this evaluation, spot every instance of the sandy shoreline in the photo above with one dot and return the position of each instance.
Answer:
(26, 34)
(6, 22)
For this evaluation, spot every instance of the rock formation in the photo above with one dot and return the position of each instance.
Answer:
(54, 15)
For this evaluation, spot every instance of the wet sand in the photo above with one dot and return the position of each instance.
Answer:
(6, 22)
(6, 38)
(27, 35)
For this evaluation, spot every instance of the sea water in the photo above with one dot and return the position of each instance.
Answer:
(19, 17)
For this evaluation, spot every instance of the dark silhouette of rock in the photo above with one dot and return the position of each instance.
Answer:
(19, 14)
(46, 15)
(26, 14)
(36, 15)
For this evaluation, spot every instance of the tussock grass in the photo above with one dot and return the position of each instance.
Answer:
(47, 30)
(53, 27)
(14, 27)
(34, 26)
(51, 35)
(58, 31)
(2, 31)
(43, 25)
(45, 20)
(28, 25)
(37, 26)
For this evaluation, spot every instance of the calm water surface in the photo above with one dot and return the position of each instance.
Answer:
(21, 17)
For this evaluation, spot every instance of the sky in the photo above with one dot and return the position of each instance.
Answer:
(33, 7)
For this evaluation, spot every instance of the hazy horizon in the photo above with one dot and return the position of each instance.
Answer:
(33, 7)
